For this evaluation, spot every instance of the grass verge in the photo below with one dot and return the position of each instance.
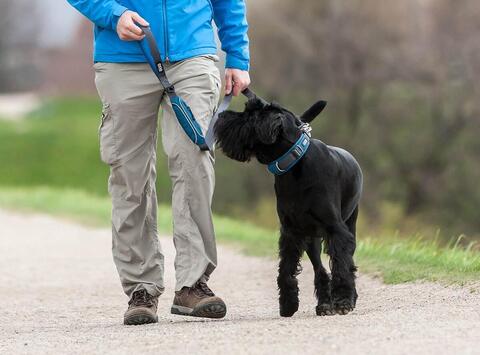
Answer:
(396, 259)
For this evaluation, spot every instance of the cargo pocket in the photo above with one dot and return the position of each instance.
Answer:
(215, 83)
(108, 152)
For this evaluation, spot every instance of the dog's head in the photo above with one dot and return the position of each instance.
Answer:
(264, 130)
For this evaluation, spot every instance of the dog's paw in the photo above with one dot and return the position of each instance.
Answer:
(343, 306)
(288, 309)
(325, 309)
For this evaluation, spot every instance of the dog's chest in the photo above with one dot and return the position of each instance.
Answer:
(295, 212)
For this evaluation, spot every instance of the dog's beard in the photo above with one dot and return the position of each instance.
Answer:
(234, 136)
(241, 155)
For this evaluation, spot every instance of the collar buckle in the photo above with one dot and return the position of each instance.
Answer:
(306, 128)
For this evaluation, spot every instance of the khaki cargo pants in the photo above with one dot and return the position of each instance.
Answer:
(131, 96)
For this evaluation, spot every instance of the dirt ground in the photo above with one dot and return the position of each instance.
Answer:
(59, 294)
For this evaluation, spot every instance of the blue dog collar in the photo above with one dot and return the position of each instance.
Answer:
(287, 161)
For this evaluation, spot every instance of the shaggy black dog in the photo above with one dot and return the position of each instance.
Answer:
(317, 200)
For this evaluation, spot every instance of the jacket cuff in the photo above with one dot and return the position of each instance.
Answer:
(117, 11)
(237, 63)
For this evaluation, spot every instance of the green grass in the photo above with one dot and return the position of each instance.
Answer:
(410, 259)
(397, 259)
(57, 145)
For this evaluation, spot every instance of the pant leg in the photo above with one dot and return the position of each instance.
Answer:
(128, 135)
(197, 81)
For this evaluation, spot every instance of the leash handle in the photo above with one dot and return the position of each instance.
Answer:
(157, 64)
(249, 94)
(153, 46)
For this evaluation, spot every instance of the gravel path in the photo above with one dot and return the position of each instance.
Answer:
(60, 294)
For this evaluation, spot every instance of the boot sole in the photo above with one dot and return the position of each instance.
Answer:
(209, 310)
(140, 318)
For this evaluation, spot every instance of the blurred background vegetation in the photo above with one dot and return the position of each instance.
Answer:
(401, 77)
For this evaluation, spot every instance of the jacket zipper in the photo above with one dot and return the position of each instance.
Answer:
(165, 29)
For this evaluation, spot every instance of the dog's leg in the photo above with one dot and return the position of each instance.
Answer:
(291, 249)
(322, 279)
(341, 246)
(352, 227)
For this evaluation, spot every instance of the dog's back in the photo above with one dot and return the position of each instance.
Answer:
(351, 163)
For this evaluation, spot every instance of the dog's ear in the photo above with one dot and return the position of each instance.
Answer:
(234, 135)
(309, 115)
(268, 128)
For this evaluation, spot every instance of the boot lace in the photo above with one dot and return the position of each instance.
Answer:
(141, 298)
(203, 289)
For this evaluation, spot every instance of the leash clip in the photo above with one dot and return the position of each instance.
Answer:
(170, 90)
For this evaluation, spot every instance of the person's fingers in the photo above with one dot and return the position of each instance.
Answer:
(228, 82)
(139, 19)
(247, 82)
(123, 34)
(237, 88)
(133, 28)
(135, 37)
(241, 81)
(127, 28)
(129, 36)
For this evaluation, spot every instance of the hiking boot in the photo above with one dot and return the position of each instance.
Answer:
(142, 309)
(198, 301)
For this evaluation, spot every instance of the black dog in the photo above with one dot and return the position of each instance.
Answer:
(317, 199)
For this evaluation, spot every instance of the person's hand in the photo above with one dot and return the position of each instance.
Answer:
(127, 29)
(236, 80)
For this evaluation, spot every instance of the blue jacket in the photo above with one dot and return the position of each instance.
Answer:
(182, 28)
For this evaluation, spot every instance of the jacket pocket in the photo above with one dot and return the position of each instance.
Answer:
(106, 132)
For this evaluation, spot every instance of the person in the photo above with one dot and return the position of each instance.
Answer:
(131, 97)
